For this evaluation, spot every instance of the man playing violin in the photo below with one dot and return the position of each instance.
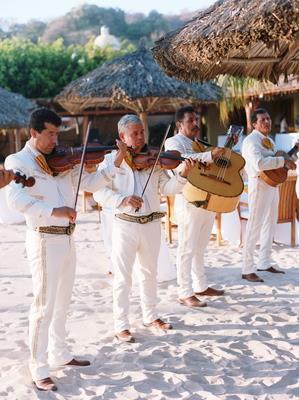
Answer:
(259, 150)
(194, 224)
(136, 227)
(5, 177)
(48, 207)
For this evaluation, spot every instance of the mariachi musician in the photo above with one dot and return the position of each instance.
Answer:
(194, 224)
(259, 150)
(48, 207)
(136, 227)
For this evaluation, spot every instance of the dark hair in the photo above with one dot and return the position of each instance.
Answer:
(256, 113)
(40, 116)
(180, 113)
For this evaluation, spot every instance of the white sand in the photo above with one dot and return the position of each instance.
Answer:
(242, 346)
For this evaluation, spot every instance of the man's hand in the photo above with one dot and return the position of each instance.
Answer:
(65, 212)
(133, 201)
(290, 164)
(217, 152)
(187, 165)
(121, 153)
(6, 176)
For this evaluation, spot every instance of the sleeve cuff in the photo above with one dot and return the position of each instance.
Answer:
(181, 178)
(280, 162)
(209, 158)
(118, 202)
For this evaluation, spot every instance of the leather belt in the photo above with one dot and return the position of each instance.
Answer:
(142, 219)
(57, 230)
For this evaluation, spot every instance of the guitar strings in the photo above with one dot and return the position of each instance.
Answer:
(223, 164)
(225, 160)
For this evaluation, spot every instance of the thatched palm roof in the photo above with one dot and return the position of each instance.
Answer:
(14, 110)
(257, 38)
(269, 90)
(133, 81)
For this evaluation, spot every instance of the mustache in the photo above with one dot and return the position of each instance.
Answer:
(195, 128)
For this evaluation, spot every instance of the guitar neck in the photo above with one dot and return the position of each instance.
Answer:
(293, 151)
(234, 132)
(229, 144)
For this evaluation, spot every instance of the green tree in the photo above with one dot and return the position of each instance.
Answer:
(39, 69)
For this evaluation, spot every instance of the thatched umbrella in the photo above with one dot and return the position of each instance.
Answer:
(136, 82)
(14, 113)
(257, 38)
(14, 109)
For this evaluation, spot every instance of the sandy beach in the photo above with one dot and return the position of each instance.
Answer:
(244, 345)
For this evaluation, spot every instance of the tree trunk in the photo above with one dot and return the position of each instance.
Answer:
(144, 120)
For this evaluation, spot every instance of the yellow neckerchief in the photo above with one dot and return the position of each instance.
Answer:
(41, 161)
(198, 147)
(267, 144)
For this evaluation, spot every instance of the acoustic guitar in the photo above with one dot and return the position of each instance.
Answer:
(275, 177)
(219, 186)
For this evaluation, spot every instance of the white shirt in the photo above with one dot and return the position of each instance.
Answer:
(258, 158)
(127, 182)
(183, 144)
(37, 202)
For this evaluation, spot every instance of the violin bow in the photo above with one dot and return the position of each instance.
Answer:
(155, 163)
(82, 163)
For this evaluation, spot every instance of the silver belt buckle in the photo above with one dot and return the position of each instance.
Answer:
(143, 220)
(70, 229)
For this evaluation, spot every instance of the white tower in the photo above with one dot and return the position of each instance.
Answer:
(107, 40)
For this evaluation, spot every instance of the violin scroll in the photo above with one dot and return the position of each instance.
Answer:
(19, 178)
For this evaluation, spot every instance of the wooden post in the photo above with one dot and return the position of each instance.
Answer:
(248, 111)
(84, 131)
(11, 140)
(144, 120)
(84, 128)
(18, 144)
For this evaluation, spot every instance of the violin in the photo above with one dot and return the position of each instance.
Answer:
(167, 160)
(19, 178)
(65, 158)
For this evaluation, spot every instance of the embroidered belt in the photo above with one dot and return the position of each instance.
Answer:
(57, 230)
(142, 219)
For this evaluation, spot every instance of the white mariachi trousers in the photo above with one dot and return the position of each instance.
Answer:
(52, 263)
(131, 239)
(194, 230)
(263, 212)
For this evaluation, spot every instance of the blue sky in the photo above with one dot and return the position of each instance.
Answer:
(24, 10)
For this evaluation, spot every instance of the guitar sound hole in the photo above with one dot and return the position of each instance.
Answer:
(222, 162)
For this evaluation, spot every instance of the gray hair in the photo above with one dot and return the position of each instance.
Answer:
(127, 120)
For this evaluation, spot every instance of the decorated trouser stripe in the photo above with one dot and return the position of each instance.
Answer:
(52, 263)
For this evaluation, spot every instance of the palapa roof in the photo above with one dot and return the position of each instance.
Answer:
(133, 81)
(14, 110)
(257, 38)
(269, 90)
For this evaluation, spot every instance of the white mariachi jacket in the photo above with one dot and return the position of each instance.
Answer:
(37, 202)
(183, 144)
(123, 185)
(259, 153)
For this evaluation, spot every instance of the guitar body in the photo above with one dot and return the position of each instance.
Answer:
(216, 188)
(275, 177)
